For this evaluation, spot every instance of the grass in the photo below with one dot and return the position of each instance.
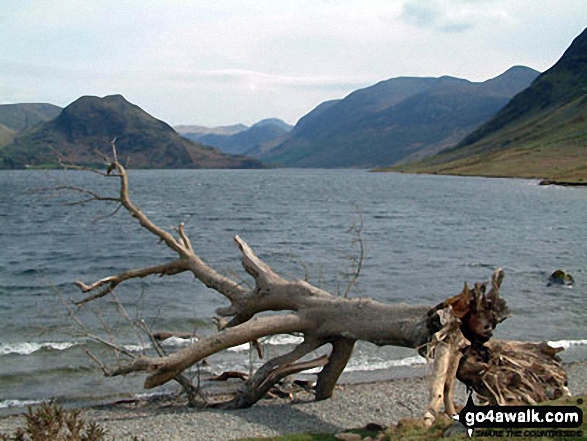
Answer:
(551, 145)
(51, 422)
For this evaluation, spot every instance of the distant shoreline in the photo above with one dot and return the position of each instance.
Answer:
(541, 181)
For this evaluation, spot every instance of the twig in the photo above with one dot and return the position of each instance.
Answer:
(356, 230)
(171, 268)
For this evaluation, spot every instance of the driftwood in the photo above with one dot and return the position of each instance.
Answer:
(500, 372)
(322, 318)
(473, 315)
(295, 306)
(513, 372)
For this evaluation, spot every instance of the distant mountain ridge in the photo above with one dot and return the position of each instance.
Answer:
(86, 127)
(17, 118)
(541, 132)
(243, 141)
(193, 132)
(395, 120)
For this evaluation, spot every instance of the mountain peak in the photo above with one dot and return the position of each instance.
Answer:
(273, 122)
(98, 120)
(519, 69)
(512, 81)
(578, 48)
(87, 126)
(115, 97)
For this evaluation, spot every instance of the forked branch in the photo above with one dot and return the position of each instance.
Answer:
(111, 282)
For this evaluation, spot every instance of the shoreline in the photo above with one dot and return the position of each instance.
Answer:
(374, 398)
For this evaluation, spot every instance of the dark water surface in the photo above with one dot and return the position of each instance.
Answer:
(424, 237)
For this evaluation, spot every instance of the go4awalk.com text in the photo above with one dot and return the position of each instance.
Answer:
(521, 421)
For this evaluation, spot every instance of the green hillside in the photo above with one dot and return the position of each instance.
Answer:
(84, 129)
(7, 135)
(540, 133)
(16, 118)
(20, 117)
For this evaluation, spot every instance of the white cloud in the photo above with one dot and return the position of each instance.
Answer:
(452, 15)
(240, 77)
(224, 61)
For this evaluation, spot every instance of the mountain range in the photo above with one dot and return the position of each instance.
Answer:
(399, 119)
(230, 139)
(541, 132)
(193, 132)
(520, 123)
(83, 130)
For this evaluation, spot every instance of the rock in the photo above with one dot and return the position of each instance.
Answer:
(455, 429)
(374, 427)
(563, 183)
(561, 277)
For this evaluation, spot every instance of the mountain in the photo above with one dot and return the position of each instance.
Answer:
(541, 132)
(195, 132)
(85, 128)
(16, 118)
(252, 138)
(395, 120)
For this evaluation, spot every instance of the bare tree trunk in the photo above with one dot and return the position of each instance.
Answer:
(295, 306)
(339, 357)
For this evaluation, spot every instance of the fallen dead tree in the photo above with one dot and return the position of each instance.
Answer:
(297, 307)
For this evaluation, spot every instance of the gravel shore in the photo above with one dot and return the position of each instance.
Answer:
(354, 405)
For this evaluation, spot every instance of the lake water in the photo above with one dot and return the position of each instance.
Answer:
(424, 237)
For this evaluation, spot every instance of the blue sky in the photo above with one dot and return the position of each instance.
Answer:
(222, 62)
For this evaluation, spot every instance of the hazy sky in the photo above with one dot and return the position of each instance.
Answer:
(222, 62)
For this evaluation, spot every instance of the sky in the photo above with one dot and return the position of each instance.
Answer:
(222, 62)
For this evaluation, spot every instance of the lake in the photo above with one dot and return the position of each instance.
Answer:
(424, 237)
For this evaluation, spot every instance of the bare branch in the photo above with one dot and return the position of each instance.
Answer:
(167, 269)
(66, 166)
(184, 238)
(274, 370)
(87, 333)
(68, 188)
(356, 230)
(144, 221)
(164, 369)
(105, 216)
(337, 361)
(107, 372)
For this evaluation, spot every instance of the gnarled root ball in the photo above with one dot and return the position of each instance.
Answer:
(513, 372)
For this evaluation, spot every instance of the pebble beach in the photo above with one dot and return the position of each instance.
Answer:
(354, 405)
